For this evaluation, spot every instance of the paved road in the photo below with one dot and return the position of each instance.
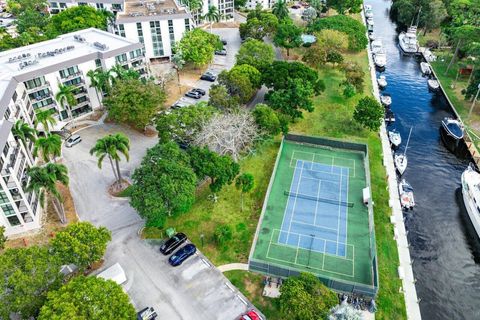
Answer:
(195, 290)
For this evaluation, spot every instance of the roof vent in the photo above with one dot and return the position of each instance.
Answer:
(79, 38)
(100, 46)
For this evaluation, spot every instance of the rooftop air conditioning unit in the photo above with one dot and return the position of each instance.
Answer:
(79, 38)
(100, 46)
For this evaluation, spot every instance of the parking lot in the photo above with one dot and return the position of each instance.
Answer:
(194, 290)
(220, 63)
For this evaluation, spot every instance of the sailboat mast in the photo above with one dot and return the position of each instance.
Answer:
(408, 140)
(418, 16)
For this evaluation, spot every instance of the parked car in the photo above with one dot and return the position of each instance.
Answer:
(224, 42)
(201, 91)
(173, 243)
(208, 76)
(250, 315)
(193, 94)
(222, 52)
(147, 314)
(182, 254)
(73, 140)
(179, 105)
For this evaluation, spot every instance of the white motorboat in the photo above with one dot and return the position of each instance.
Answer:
(395, 138)
(389, 115)
(371, 36)
(408, 40)
(433, 84)
(451, 132)
(386, 100)
(368, 11)
(471, 195)
(405, 191)
(425, 67)
(382, 81)
(380, 59)
(400, 159)
(370, 25)
(377, 46)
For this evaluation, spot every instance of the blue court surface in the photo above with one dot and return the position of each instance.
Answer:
(317, 207)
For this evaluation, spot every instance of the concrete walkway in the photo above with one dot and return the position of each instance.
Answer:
(405, 271)
(233, 266)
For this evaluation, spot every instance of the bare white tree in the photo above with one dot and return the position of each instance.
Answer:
(228, 133)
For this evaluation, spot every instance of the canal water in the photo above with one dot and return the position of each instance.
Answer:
(444, 247)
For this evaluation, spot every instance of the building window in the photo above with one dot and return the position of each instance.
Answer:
(172, 34)
(187, 24)
(121, 58)
(34, 83)
(54, 5)
(135, 54)
(8, 210)
(65, 73)
(43, 103)
(73, 82)
(98, 63)
(121, 30)
(40, 94)
(7, 114)
(3, 197)
(63, 5)
(99, 6)
(13, 220)
(116, 7)
(82, 3)
(156, 38)
(140, 32)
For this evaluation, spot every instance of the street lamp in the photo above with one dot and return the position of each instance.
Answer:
(474, 100)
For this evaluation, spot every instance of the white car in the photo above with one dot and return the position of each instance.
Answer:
(73, 140)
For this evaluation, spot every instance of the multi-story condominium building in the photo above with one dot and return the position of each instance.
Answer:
(55, 6)
(264, 4)
(29, 79)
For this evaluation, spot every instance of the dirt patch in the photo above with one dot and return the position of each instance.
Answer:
(97, 114)
(117, 188)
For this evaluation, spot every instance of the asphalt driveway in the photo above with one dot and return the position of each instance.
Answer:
(195, 290)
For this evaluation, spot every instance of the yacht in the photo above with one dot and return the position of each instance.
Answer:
(433, 84)
(368, 11)
(471, 195)
(425, 67)
(370, 25)
(380, 59)
(408, 40)
(386, 99)
(405, 191)
(395, 138)
(382, 82)
(452, 133)
(377, 46)
(401, 162)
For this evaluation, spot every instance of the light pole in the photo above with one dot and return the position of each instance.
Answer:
(474, 100)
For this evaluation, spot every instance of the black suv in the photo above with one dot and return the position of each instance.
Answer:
(173, 243)
(208, 76)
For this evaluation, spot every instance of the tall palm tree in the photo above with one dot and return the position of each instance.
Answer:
(280, 9)
(23, 132)
(212, 16)
(105, 80)
(50, 146)
(93, 75)
(66, 97)
(118, 71)
(112, 147)
(46, 118)
(195, 6)
(43, 180)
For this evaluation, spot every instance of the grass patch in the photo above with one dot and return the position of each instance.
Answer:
(125, 193)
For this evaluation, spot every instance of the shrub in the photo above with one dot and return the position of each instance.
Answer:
(222, 234)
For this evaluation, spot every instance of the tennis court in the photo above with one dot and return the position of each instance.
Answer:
(314, 219)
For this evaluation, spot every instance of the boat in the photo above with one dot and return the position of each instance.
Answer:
(368, 11)
(451, 132)
(408, 40)
(386, 99)
(389, 115)
(371, 36)
(425, 67)
(471, 195)
(433, 84)
(395, 138)
(380, 59)
(405, 191)
(382, 81)
(370, 25)
(377, 46)
(400, 159)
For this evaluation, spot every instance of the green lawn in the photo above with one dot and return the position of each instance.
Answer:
(331, 118)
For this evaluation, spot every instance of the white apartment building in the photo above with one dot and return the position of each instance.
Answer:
(29, 79)
(265, 4)
(55, 6)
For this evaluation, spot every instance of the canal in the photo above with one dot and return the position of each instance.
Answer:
(443, 245)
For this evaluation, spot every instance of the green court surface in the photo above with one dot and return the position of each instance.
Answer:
(314, 219)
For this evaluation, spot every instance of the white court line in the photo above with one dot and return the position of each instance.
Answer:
(339, 210)
(271, 240)
(298, 247)
(346, 217)
(288, 200)
(295, 202)
(316, 205)
(311, 225)
(324, 254)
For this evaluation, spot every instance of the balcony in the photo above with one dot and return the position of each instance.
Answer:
(72, 75)
(81, 92)
(44, 85)
(38, 98)
(81, 104)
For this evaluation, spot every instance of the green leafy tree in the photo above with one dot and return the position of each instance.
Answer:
(238, 84)
(16, 7)
(26, 275)
(345, 6)
(279, 74)
(288, 36)
(349, 91)
(46, 119)
(195, 6)
(49, 146)
(66, 97)
(259, 25)
(369, 113)
(164, 184)
(328, 48)
(31, 18)
(245, 183)
(220, 98)
(198, 46)
(43, 180)
(112, 146)
(88, 298)
(357, 39)
(304, 297)
(178, 62)
(81, 243)
(212, 16)
(134, 102)
(183, 124)
(290, 101)
(250, 72)
(223, 233)
(221, 170)
(24, 133)
(256, 54)
(267, 120)
(280, 9)
(354, 75)
(3, 237)
(77, 18)
(120, 73)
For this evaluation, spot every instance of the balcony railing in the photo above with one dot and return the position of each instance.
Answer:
(72, 75)
(44, 85)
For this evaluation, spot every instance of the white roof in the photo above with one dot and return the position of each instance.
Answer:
(114, 273)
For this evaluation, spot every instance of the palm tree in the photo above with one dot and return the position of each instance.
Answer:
(105, 80)
(66, 97)
(112, 146)
(212, 16)
(46, 118)
(194, 6)
(94, 75)
(23, 132)
(280, 9)
(43, 180)
(118, 71)
(50, 146)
